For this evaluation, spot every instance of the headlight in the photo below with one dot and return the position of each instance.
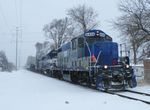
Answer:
(127, 66)
(97, 34)
(105, 66)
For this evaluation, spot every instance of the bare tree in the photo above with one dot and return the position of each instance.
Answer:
(38, 47)
(84, 16)
(130, 35)
(59, 30)
(4, 64)
(134, 23)
(3, 61)
(139, 10)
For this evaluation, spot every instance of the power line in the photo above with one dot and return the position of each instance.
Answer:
(20, 8)
(5, 21)
(16, 11)
(18, 23)
(25, 33)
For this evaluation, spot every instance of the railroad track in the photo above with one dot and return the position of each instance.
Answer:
(121, 94)
(136, 92)
(130, 97)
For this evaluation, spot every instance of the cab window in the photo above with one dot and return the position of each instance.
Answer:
(80, 42)
(74, 44)
(92, 40)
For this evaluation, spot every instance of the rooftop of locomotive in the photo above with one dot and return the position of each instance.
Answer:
(90, 33)
(97, 33)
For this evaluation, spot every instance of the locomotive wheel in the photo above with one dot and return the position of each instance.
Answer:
(102, 83)
(88, 82)
(74, 78)
(106, 85)
(57, 74)
(132, 83)
(60, 76)
(51, 73)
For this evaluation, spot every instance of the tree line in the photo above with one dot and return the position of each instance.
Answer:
(77, 21)
(133, 25)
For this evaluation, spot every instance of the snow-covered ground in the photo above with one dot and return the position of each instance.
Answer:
(24, 90)
(143, 89)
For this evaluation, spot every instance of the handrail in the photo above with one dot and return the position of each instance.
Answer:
(97, 58)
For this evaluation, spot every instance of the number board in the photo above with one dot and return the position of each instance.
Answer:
(90, 34)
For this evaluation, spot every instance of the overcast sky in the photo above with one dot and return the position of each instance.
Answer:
(31, 15)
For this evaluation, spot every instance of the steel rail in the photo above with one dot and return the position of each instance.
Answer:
(137, 92)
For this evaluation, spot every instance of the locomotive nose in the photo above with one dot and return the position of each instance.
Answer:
(106, 53)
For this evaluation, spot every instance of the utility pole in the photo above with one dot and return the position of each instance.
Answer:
(17, 47)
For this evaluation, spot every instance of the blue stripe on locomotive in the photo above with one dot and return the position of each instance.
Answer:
(108, 52)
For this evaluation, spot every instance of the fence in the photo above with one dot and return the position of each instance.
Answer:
(139, 72)
(147, 71)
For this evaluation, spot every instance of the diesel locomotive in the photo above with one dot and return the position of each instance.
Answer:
(91, 59)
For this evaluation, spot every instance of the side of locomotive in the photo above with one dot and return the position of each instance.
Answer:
(92, 59)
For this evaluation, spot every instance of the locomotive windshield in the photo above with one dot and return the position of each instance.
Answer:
(91, 40)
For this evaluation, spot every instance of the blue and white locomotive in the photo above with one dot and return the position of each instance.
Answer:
(92, 58)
